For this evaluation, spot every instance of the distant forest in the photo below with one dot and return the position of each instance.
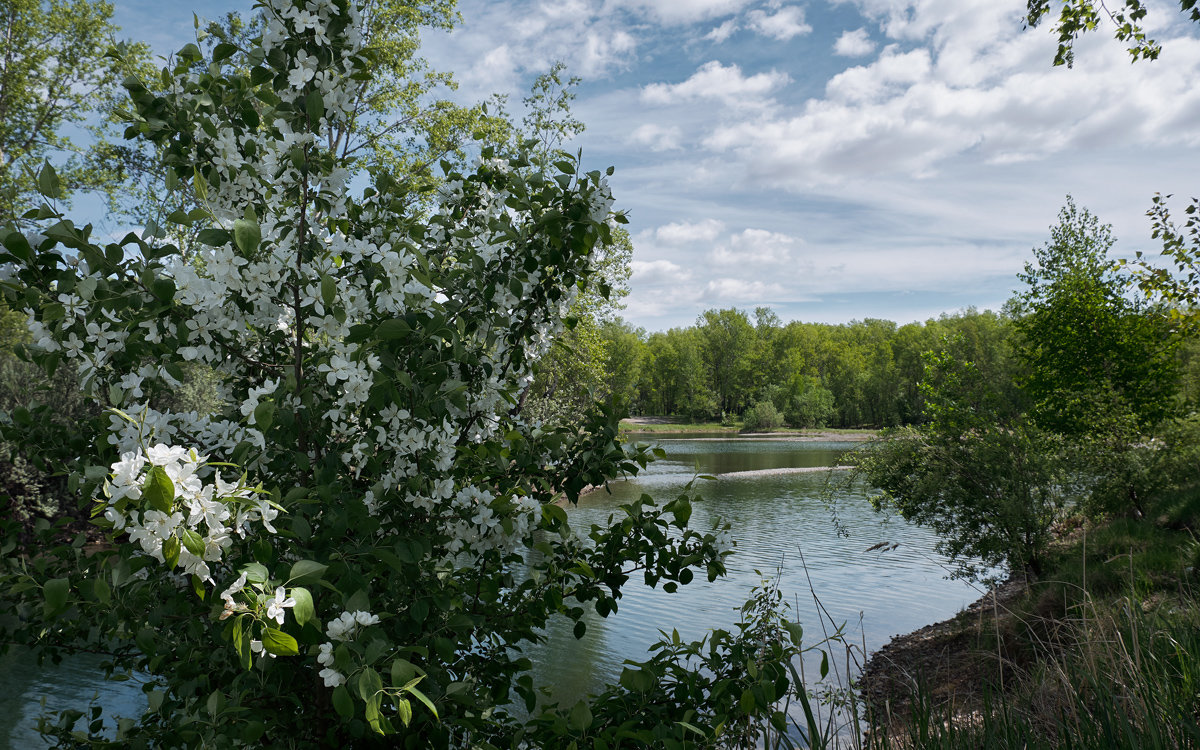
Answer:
(861, 374)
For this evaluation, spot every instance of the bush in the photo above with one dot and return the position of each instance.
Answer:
(760, 417)
(813, 407)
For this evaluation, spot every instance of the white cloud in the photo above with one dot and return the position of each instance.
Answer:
(689, 234)
(784, 24)
(722, 32)
(602, 51)
(892, 72)
(855, 43)
(755, 247)
(658, 137)
(715, 81)
(682, 11)
(657, 272)
(741, 291)
(909, 112)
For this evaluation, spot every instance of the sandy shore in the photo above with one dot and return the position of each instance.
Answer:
(755, 473)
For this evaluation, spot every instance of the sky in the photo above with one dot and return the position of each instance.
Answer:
(833, 160)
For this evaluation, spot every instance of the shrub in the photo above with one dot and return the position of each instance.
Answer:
(762, 416)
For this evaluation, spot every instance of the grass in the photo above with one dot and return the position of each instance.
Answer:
(1104, 652)
(1119, 677)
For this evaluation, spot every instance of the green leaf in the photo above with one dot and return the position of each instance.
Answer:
(48, 182)
(252, 732)
(328, 290)
(403, 672)
(412, 690)
(213, 237)
(255, 573)
(691, 728)
(159, 491)
(342, 702)
(404, 708)
(55, 592)
(241, 642)
(264, 415)
(306, 572)
(580, 717)
(389, 330)
(170, 551)
(102, 591)
(796, 631)
(279, 643)
(18, 245)
(304, 611)
(192, 541)
(247, 235)
(222, 51)
(314, 106)
(201, 186)
(163, 289)
(369, 684)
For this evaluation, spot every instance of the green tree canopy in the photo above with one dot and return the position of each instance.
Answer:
(1090, 353)
(54, 73)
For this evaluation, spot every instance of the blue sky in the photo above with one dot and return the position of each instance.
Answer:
(831, 159)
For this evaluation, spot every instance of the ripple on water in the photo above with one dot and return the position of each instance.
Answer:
(778, 520)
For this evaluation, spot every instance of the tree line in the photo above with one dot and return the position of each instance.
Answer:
(866, 373)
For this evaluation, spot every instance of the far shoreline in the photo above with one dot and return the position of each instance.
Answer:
(669, 426)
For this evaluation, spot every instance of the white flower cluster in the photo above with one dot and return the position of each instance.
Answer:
(201, 516)
(479, 528)
(344, 628)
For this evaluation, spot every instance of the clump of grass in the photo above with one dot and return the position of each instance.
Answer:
(1104, 653)
(1131, 681)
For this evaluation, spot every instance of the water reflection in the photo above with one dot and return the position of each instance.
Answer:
(31, 691)
(776, 520)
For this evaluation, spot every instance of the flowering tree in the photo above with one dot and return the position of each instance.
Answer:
(362, 535)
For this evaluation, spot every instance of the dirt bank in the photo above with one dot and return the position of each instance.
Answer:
(945, 657)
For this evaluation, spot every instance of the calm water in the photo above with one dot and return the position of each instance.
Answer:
(775, 518)
(75, 683)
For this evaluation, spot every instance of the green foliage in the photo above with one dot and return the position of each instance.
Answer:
(367, 359)
(861, 373)
(728, 343)
(1077, 17)
(761, 417)
(56, 73)
(1178, 286)
(988, 481)
(1093, 358)
(811, 406)
(548, 121)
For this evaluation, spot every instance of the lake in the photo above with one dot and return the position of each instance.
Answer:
(784, 525)
(776, 518)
